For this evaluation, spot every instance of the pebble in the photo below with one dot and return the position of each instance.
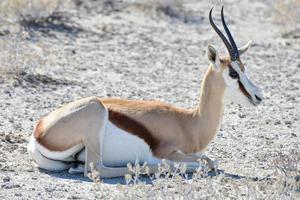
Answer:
(6, 179)
(18, 194)
(277, 123)
(288, 122)
(9, 185)
(293, 134)
(75, 197)
(242, 116)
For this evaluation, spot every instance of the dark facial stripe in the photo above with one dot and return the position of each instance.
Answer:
(233, 73)
(244, 91)
(132, 126)
(241, 86)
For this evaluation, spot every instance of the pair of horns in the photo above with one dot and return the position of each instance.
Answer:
(231, 46)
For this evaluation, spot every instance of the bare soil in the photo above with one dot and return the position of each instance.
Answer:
(152, 51)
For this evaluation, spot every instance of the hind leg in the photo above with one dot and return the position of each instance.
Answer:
(78, 168)
(42, 161)
(66, 130)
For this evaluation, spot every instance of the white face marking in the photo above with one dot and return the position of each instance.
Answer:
(233, 91)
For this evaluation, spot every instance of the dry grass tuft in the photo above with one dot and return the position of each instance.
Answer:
(284, 183)
(14, 11)
(21, 61)
(154, 8)
(142, 3)
(15, 58)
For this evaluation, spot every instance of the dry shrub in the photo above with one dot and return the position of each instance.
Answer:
(154, 8)
(163, 8)
(160, 4)
(284, 183)
(144, 3)
(19, 57)
(12, 56)
(14, 11)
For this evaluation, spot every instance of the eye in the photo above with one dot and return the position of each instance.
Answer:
(233, 74)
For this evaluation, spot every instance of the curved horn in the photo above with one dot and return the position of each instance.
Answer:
(235, 49)
(227, 44)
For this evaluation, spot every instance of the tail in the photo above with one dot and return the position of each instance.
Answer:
(37, 152)
(41, 161)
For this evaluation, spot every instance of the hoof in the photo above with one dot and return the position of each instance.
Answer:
(213, 165)
(76, 169)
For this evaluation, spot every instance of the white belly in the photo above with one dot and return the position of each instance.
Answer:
(121, 147)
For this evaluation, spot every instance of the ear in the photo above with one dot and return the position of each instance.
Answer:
(213, 57)
(244, 48)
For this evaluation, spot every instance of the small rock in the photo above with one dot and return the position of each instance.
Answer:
(288, 122)
(6, 179)
(277, 122)
(6, 91)
(9, 185)
(30, 170)
(18, 194)
(242, 116)
(75, 197)
(297, 178)
(50, 189)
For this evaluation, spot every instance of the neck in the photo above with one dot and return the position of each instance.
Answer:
(209, 110)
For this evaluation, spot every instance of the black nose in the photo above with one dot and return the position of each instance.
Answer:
(258, 98)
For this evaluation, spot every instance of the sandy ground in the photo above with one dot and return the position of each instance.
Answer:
(146, 52)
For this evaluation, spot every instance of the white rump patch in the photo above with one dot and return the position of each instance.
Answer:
(40, 155)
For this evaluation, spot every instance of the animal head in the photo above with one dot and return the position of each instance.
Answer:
(238, 88)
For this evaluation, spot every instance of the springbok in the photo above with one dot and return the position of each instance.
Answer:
(112, 132)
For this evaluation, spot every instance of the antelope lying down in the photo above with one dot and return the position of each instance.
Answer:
(111, 132)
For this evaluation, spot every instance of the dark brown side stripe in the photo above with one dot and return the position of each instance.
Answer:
(132, 126)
